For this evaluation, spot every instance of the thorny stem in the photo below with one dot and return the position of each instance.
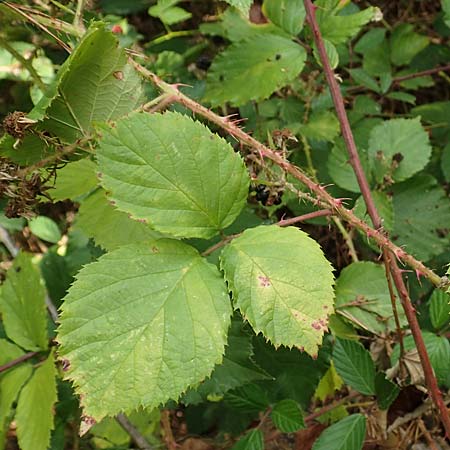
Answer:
(17, 361)
(336, 204)
(355, 162)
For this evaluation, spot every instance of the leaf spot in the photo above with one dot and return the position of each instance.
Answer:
(264, 281)
(118, 75)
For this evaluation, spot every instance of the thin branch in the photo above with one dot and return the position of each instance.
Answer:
(331, 406)
(26, 63)
(7, 241)
(348, 239)
(304, 217)
(389, 259)
(133, 432)
(335, 204)
(281, 223)
(78, 19)
(17, 361)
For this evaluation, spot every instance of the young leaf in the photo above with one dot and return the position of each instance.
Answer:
(22, 305)
(347, 434)
(339, 28)
(287, 416)
(439, 309)
(362, 296)
(287, 14)
(109, 227)
(34, 414)
(157, 328)
(398, 148)
(282, 284)
(354, 364)
(250, 398)
(172, 172)
(253, 440)
(273, 61)
(45, 228)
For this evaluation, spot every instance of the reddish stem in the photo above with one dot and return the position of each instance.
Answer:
(376, 220)
(17, 361)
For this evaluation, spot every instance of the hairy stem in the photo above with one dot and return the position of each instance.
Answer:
(355, 162)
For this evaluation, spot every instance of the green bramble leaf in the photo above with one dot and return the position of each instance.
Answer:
(347, 434)
(440, 309)
(398, 148)
(287, 416)
(362, 296)
(78, 97)
(242, 5)
(163, 321)
(168, 12)
(22, 305)
(253, 440)
(109, 227)
(272, 60)
(282, 284)
(34, 414)
(45, 228)
(405, 43)
(354, 364)
(11, 383)
(172, 172)
(287, 14)
(421, 216)
(386, 391)
(74, 180)
(339, 28)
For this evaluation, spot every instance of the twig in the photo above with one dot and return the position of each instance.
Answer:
(428, 437)
(281, 223)
(347, 238)
(409, 76)
(320, 191)
(304, 217)
(17, 361)
(51, 308)
(31, 19)
(355, 162)
(6, 240)
(26, 63)
(168, 435)
(133, 432)
(78, 19)
(331, 406)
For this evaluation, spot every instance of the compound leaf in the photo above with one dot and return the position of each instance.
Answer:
(242, 5)
(272, 60)
(34, 415)
(282, 284)
(156, 329)
(173, 173)
(22, 305)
